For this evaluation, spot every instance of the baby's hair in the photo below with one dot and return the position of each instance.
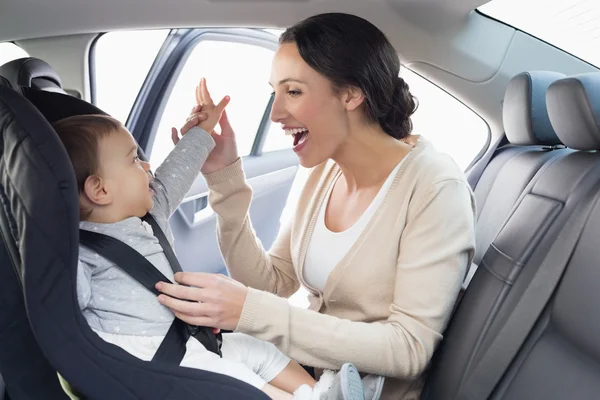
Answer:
(81, 135)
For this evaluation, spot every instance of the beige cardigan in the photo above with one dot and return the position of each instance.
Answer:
(387, 302)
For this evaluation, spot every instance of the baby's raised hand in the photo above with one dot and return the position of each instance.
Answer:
(212, 111)
(196, 116)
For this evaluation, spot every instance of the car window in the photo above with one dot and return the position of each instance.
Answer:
(276, 139)
(10, 51)
(448, 124)
(120, 62)
(571, 25)
(240, 70)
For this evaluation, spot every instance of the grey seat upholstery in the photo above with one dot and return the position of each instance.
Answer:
(32, 72)
(533, 142)
(561, 358)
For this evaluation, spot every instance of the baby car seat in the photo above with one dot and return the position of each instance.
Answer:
(41, 327)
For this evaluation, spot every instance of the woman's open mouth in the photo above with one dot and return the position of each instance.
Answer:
(300, 135)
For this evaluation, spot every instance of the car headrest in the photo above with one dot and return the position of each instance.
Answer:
(56, 106)
(524, 113)
(574, 108)
(32, 72)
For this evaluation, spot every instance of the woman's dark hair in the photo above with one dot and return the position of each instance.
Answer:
(351, 51)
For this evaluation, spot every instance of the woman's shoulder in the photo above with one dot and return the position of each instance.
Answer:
(429, 165)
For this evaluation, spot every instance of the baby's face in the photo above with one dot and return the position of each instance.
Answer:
(126, 177)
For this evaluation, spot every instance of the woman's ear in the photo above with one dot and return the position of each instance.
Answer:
(352, 97)
(96, 192)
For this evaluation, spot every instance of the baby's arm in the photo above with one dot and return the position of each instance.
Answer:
(176, 175)
(180, 169)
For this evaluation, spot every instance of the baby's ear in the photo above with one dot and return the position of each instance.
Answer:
(96, 192)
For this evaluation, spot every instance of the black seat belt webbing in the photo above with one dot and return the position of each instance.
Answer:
(164, 243)
(173, 347)
(203, 334)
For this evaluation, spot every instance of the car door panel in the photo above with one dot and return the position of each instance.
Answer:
(194, 223)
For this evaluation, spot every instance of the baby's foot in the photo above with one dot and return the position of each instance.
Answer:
(373, 385)
(346, 385)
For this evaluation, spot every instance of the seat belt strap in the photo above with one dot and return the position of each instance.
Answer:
(173, 346)
(496, 360)
(203, 334)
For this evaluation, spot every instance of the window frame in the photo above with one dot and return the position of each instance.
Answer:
(495, 19)
(489, 138)
(154, 94)
(156, 90)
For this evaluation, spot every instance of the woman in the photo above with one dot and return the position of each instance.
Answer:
(383, 231)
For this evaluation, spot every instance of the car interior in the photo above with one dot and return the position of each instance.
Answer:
(511, 90)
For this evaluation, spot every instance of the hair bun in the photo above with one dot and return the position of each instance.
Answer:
(397, 121)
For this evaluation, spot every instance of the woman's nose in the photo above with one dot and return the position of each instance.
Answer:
(146, 165)
(278, 111)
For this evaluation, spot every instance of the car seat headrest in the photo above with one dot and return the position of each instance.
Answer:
(56, 106)
(574, 108)
(32, 72)
(524, 112)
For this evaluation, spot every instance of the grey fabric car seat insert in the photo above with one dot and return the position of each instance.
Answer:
(533, 142)
(511, 262)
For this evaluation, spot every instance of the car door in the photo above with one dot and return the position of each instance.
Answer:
(235, 62)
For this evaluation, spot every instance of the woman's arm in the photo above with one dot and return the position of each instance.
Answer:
(436, 246)
(245, 258)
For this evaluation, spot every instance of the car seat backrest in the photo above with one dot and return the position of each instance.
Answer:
(532, 139)
(515, 256)
(561, 358)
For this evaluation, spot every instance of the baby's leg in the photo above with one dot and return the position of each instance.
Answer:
(198, 357)
(266, 360)
(292, 377)
(203, 359)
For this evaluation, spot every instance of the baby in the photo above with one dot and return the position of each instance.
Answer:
(116, 190)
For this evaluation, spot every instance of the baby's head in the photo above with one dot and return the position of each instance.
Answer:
(113, 183)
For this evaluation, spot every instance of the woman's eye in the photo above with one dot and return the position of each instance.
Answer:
(294, 93)
(136, 159)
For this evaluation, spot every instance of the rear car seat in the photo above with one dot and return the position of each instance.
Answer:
(32, 72)
(561, 358)
(532, 142)
(40, 213)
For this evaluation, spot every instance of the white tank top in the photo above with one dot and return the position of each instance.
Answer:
(326, 248)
